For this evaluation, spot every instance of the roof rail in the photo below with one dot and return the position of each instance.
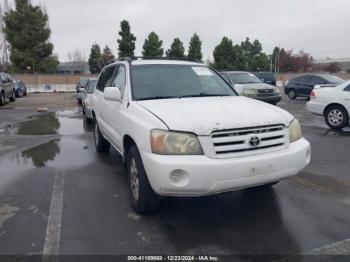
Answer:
(130, 59)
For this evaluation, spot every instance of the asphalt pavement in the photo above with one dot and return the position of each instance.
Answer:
(58, 196)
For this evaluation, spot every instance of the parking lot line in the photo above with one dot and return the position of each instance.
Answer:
(53, 231)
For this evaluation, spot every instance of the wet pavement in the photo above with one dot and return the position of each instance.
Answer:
(50, 157)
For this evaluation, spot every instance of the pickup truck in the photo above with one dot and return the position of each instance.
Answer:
(183, 131)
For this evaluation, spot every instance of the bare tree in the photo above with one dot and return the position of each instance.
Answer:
(4, 45)
(77, 59)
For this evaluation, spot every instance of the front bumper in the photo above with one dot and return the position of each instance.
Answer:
(205, 176)
(273, 99)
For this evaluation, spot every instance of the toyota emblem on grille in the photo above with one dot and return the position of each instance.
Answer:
(254, 141)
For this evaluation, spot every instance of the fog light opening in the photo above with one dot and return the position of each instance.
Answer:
(179, 177)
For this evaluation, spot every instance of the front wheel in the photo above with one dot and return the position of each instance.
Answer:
(292, 94)
(101, 144)
(337, 117)
(143, 198)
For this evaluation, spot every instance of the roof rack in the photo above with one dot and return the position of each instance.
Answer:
(130, 59)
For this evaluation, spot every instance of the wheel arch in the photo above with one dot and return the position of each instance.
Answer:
(334, 104)
(128, 142)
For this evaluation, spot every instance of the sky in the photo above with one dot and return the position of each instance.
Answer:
(319, 27)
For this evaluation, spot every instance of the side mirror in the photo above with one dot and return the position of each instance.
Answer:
(112, 94)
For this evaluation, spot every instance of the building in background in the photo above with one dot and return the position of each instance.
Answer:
(73, 68)
(342, 63)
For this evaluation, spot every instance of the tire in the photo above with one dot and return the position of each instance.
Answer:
(17, 94)
(101, 144)
(88, 120)
(143, 198)
(25, 92)
(337, 117)
(13, 97)
(2, 99)
(292, 94)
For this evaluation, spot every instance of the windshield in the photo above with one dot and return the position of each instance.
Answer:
(244, 78)
(177, 81)
(333, 79)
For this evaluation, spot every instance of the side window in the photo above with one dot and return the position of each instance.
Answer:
(120, 79)
(347, 89)
(105, 78)
(304, 79)
(317, 80)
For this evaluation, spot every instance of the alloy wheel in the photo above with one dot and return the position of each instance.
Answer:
(335, 117)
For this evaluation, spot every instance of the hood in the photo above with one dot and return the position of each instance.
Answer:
(203, 115)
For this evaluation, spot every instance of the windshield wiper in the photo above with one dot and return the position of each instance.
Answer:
(156, 98)
(204, 95)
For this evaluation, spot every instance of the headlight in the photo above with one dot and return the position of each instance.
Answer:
(249, 92)
(276, 90)
(294, 131)
(175, 143)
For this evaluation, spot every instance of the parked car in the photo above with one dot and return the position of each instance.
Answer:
(183, 131)
(7, 89)
(20, 88)
(266, 77)
(247, 84)
(86, 99)
(333, 103)
(81, 85)
(303, 85)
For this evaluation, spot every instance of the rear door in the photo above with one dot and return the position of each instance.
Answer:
(304, 85)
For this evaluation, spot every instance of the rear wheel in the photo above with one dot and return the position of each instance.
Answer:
(13, 96)
(143, 198)
(292, 94)
(337, 117)
(101, 144)
(2, 99)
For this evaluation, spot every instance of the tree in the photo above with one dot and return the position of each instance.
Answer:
(4, 45)
(195, 49)
(95, 58)
(127, 42)
(332, 67)
(225, 55)
(153, 46)
(27, 32)
(253, 57)
(177, 49)
(107, 56)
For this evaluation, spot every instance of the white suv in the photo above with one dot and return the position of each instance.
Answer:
(183, 131)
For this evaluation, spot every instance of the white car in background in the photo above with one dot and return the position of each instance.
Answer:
(86, 99)
(333, 103)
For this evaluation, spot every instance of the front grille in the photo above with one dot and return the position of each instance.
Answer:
(265, 91)
(237, 142)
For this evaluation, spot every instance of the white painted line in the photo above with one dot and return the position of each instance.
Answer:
(53, 230)
(340, 248)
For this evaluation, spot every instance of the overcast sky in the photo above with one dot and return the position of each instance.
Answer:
(320, 27)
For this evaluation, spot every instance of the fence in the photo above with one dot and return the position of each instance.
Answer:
(51, 83)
